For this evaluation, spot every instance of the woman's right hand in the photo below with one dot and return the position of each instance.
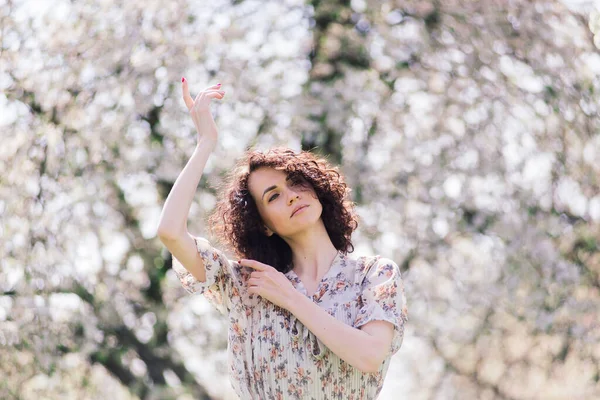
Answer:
(200, 110)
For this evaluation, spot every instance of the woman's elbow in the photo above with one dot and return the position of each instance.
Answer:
(371, 368)
(371, 365)
(166, 234)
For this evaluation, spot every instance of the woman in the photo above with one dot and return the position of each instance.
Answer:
(306, 321)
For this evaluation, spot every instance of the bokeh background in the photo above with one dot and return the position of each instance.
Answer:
(468, 130)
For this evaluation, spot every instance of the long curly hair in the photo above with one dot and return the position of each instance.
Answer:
(236, 220)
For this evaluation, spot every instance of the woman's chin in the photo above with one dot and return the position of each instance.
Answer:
(306, 224)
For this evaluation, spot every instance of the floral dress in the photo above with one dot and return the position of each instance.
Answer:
(272, 355)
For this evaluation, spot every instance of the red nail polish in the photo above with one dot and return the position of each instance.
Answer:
(218, 84)
(182, 79)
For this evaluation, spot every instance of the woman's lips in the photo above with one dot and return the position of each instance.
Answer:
(298, 210)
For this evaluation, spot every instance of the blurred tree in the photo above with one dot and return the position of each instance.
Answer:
(469, 132)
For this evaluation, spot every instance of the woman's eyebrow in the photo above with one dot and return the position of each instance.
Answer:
(273, 187)
(268, 190)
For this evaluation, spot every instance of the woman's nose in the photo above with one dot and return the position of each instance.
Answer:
(292, 196)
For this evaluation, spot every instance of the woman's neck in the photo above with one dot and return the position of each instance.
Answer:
(312, 252)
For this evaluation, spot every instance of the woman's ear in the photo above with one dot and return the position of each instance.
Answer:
(267, 231)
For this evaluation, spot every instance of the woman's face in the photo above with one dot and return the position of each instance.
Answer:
(277, 197)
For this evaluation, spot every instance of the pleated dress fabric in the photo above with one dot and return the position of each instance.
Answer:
(272, 355)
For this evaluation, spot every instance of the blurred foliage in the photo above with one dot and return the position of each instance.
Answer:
(469, 132)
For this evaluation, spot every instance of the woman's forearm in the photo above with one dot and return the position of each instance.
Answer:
(173, 219)
(356, 347)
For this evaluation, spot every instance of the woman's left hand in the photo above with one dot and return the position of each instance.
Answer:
(270, 284)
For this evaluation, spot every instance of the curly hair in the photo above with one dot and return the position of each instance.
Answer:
(236, 220)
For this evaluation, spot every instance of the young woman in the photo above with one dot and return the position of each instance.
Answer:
(306, 321)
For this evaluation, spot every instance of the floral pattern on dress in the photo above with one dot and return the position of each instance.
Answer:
(272, 355)
(383, 298)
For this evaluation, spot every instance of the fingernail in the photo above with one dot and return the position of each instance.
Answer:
(182, 79)
(218, 84)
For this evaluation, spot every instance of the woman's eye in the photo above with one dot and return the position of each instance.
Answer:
(274, 196)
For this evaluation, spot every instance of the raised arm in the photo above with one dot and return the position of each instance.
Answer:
(172, 228)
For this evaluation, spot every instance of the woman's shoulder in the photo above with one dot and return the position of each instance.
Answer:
(218, 256)
(367, 260)
(364, 265)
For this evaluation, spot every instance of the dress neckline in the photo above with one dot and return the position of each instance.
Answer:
(321, 288)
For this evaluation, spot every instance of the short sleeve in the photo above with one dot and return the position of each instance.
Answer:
(382, 297)
(218, 288)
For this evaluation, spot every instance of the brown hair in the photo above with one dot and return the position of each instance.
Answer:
(237, 222)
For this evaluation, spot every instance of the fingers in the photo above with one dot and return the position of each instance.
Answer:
(215, 94)
(189, 102)
(214, 87)
(257, 274)
(254, 265)
(212, 92)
